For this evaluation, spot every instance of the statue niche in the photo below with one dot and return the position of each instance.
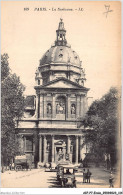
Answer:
(60, 105)
(73, 109)
(49, 109)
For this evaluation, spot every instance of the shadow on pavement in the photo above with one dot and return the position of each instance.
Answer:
(54, 184)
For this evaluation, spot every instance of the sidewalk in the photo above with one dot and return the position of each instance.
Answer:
(99, 179)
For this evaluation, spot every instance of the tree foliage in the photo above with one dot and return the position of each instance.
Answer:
(103, 117)
(12, 106)
(4, 66)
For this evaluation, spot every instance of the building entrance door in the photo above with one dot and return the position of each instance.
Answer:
(60, 152)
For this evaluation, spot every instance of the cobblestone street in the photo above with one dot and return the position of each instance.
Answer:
(38, 178)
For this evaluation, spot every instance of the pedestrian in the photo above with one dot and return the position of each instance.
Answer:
(111, 180)
(3, 169)
(88, 176)
(84, 175)
(10, 166)
(13, 166)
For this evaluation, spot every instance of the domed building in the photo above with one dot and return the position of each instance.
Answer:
(52, 133)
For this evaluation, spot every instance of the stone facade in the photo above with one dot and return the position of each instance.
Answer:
(52, 133)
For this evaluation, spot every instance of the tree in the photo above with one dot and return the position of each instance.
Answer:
(4, 66)
(103, 117)
(12, 107)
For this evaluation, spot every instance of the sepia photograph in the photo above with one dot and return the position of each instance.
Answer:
(61, 94)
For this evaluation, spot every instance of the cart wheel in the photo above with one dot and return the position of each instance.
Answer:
(21, 168)
(16, 168)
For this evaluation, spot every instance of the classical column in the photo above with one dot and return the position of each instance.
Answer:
(40, 148)
(24, 144)
(68, 106)
(41, 105)
(45, 144)
(64, 150)
(81, 142)
(77, 106)
(68, 145)
(52, 148)
(33, 144)
(53, 106)
(76, 149)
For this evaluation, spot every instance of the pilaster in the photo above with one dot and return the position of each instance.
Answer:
(77, 106)
(41, 106)
(81, 106)
(45, 106)
(53, 106)
(68, 106)
(37, 105)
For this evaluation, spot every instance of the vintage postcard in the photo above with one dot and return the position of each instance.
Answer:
(61, 95)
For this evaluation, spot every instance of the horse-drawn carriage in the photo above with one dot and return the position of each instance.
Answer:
(21, 163)
(66, 176)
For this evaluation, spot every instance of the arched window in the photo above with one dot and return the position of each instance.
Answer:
(49, 109)
(73, 109)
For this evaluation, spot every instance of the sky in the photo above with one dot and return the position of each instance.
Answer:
(26, 34)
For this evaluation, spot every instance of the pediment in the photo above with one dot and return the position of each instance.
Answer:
(60, 142)
(62, 84)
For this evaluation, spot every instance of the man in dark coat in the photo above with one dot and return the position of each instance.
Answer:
(88, 176)
(84, 176)
(111, 181)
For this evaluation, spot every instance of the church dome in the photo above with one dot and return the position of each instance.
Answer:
(60, 54)
(60, 61)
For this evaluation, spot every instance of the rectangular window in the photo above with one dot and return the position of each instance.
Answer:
(38, 82)
(29, 144)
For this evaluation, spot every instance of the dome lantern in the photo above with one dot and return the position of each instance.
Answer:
(61, 61)
(60, 33)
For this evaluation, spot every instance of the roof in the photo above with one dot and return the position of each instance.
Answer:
(69, 166)
(60, 54)
(20, 157)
